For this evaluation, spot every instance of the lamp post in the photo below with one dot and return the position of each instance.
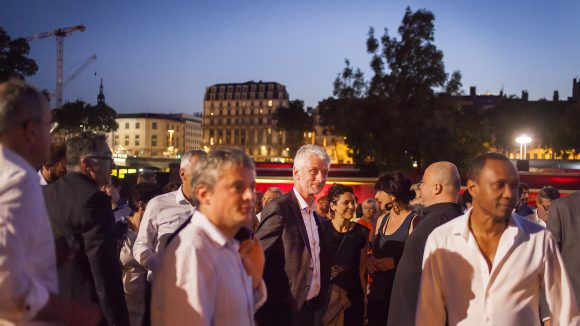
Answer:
(523, 140)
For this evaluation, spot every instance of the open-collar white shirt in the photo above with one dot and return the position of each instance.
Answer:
(202, 280)
(27, 255)
(163, 215)
(314, 241)
(457, 285)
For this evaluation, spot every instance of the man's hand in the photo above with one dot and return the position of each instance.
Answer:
(253, 259)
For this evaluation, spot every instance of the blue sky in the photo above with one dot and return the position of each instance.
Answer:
(159, 56)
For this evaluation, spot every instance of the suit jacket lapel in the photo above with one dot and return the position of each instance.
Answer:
(300, 221)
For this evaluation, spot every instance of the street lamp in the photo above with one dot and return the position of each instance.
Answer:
(523, 140)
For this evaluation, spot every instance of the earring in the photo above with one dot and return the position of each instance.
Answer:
(396, 208)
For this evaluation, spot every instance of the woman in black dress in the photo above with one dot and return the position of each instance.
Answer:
(393, 194)
(348, 243)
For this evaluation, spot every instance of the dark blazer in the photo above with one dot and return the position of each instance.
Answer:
(405, 293)
(80, 210)
(287, 273)
(564, 224)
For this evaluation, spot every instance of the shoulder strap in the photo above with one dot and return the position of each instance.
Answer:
(181, 227)
(339, 246)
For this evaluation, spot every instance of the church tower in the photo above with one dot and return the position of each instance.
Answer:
(101, 97)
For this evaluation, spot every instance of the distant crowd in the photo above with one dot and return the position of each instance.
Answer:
(212, 250)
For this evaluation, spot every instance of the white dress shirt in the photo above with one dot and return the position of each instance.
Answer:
(314, 240)
(163, 215)
(456, 281)
(202, 280)
(27, 254)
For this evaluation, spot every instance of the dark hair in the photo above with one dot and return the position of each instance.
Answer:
(465, 198)
(549, 192)
(144, 192)
(397, 185)
(144, 176)
(523, 186)
(115, 181)
(82, 144)
(477, 164)
(336, 190)
(57, 153)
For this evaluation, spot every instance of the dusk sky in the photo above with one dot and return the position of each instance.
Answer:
(159, 56)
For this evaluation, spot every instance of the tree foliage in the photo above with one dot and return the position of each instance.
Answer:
(409, 114)
(78, 116)
(14, 61)
(295, 121)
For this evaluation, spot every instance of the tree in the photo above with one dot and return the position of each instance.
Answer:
(410, 114)
(295, 121)
(14, 61)
(78, 116)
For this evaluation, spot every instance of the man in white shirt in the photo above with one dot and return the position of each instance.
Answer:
(164, 214)
(489, 266)
(206, 276)
(297, 271)
(28, 276)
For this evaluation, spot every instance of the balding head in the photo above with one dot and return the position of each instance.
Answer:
(441, 183)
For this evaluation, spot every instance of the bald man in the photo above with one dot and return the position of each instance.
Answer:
(439, 193)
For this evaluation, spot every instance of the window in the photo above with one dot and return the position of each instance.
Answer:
(154, 140)
(137, 125)
(126, 140)
(270, 103)
(154, 125)
(126, 125)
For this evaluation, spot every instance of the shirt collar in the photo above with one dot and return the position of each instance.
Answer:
(210, 229)
(461, 227)
(42, 179)
(302, 203)
(180, 198)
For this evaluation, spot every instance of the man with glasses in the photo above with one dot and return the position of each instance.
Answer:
(28, 276)
(83, 214)
(544, 200)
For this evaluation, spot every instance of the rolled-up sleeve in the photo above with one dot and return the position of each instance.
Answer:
(558, 289)
(143, 249)
(260, 295)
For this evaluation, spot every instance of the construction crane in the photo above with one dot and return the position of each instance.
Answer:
(60, 34)
(76, 73)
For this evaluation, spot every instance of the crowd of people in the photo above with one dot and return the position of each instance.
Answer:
(212, 250)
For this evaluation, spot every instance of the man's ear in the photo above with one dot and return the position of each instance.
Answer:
(31, 134)
(473, 188)
(202, 194)
(438, 188)
(86, 164)
(295, 173)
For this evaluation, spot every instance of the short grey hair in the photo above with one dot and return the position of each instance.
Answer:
(208, 170)
(186, 158)
(18, 101)
(275, 190)
(371, 202)
(306, 151)
(80, 145)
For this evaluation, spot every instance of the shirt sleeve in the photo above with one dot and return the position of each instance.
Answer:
(559, 293)
(260, 295)
(553, 223)
(431, 304)
(21, 295)
(143, 249)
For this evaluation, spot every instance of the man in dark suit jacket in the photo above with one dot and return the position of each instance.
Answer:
(297, 270)
(81, 211)
(564, 224)
(439, 193)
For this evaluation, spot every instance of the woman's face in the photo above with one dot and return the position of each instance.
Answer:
(383, 199)
(368, 211)
(344, 206)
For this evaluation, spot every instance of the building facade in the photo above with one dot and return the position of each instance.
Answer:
(155, 135)
(241, 115)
